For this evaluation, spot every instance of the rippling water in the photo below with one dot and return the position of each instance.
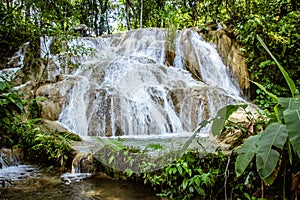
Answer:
(97, 187)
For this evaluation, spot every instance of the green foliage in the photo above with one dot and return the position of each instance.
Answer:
(184, 178)
(154, 146)
(292, 121)
(11, 105)
(194, 176)
(45, 146)
(18, 130)
(271, 143)
(277, 31)
(287, 78)
(246, 154)
(56, 147)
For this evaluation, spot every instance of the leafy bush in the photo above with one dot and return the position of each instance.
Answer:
(184, 178)
(279, 142)
(18, 130)
(281, 33)
(12, 107)
(198, 176)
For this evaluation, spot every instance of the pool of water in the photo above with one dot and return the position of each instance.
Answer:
(99, 186)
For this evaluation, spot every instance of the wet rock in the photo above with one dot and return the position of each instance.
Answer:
(53, 125)
(240, 125)
(51, 102)
(83, 163)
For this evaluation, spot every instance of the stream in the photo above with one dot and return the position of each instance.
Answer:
(46, 186)
(21, 180)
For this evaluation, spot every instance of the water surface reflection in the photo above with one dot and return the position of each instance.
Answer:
(97, 187)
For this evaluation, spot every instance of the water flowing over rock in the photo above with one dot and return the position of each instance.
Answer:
(142, 82)
(231, 56)
(12, 169)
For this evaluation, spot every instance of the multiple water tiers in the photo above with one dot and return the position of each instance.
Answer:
(142, 82)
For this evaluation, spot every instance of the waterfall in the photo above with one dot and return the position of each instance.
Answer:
(191, 49)
(12, 169)
(126, 87)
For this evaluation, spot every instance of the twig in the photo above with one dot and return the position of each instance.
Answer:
(262, 189)
(203, 148)
(226, 174)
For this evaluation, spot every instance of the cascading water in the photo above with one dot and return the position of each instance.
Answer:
(204, 55)
(125, 88)
(12, 169)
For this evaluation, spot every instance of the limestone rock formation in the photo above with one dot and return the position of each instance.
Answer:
(127, 88)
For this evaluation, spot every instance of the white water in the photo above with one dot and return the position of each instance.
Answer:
(11, 168)
(190, 47)
(125, 88)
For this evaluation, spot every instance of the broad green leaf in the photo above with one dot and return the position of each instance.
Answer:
(266, 168)
(288, 79)
(275, 135)
(2, 86)
(289, 103)
(222, 115)
(197, 180)
(6, 120)
(273, 96)
(185, 183)
(246, 154)
(292, 121)
(283, 104)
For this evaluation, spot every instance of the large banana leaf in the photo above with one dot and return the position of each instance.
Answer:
(267, 157)
(283, 104)
(292, 121)
(246, 153)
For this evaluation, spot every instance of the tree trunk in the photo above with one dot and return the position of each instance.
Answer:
(141, 17)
